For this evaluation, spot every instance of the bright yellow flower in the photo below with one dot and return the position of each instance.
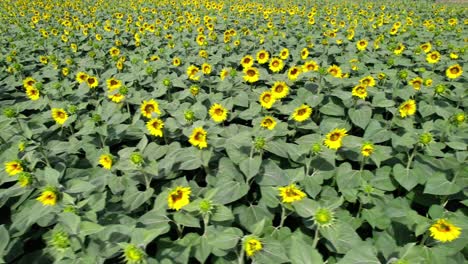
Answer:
(48, 196)
(206, 68)
(32, 93)
(304, 53)
(310, 66)
(279, 90)
(13, 167)
(399, 49)
(360, 91)
(426, 47)
(117, 97)
(106, 161)
(113, 84)
(268, 122)
(149, 107)
(59, 115)
(294, 72)
(252, 246)
(114, 52)
(176, 61)
(284, 54)
(251, 74)
(92, 82)
(407, 108)
(291, 193)
(218, 113)
(367, 81)
(362, 44)
(178, 197)
(81, 77)
(247, 61)
(198, 138)
(276, 64)
(367, 149)
(454, 71)
(433, 57)
(224, 73)
(333, 139)
(29, 82)
(263, 56)
(192, 73)
(335, 71)
(155, 127)
(416, 83)
(267, 99)
(444, 231)
(302, 113)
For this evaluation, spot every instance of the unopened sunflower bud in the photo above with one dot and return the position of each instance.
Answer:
(425, 138)
(136, 158)
(9, 112)
(440, 89)
(206, 206)
(316, 148)
(60, 240)
(97, 118)
(194, 90)
(259, 143)
(189, 115)
(167, 82)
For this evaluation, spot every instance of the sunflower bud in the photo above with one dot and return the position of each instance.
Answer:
(459, 118)
(323, 217)
(259, 143)
(440, 89)
(403, 74)
(149, 70)
(233, 73)
(206, 206)
(425, 138)
(167, 82)
(72, 109)
(316, 148)
(9, 112)
(136, 158)
(189, 115)
(133, 254)
(123, 90)
(194, 90)
(97, 118)
(25, 179)
(60, 240)
(69, 209)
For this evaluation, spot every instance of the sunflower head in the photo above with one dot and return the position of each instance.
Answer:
(218, 113)
(178, 197)
(444, 231)
(302, 113)
(291, 193)
(268, 122)
(252, 245)
(324, 217)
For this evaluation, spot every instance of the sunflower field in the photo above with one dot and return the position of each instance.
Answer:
(200, 131)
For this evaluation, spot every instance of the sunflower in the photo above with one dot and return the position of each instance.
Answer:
(149, 107)
(252, 246)
(362, 44)
(310, 66)
(25, 179)
(333, 138)
(276, 64)
(155, 127)
(324, 217)
(114, 52)
(206, 68)
(218, 113)
(176, 61)
(59, 115)
(117, 97)
(268, 122)
(426, 47)
(267, 99)
(294, 72)
(433, 57)
(302, 113)
(454, 71)
(106, 161)
(407, 108)
(367, 81)
(113, 84)
(178, 197)
(284, 54)
(224, 73)
(13, 167)
(304, 53)
(279, 90)
(29, 82)
(444, 231)
(291, 193)
(32, 93)
(399, 49)
(416, 83)
(360, 91)
(92, 82)
(247, 61)
(263, 56)
(81, 77)
(48, 196)
(335, 71)
(251, 74)
(198, 138)
(367, 149)
(192, 72)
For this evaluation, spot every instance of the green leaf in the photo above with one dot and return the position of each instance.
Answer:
(360, 117)
(341, 236)
(134, 198)
(437, 184)
(306, 207)
(186, 219)
(4, 240)
(89, 228)
(226, 239)
(332, 109)
(273, 175)
(70, 221)
(203, 249)
(231, 191)
(221, 213)
(405, 177)
(361, 254)
(250, 166)
(301, 251)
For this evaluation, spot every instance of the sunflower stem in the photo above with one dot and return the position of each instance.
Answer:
(283, 217)
(41, 150)
(240, 259)
(316, 237)
(423, 240)
(411, 157)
